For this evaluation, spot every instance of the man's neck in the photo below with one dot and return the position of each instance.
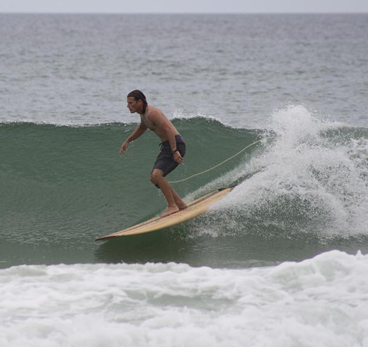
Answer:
(143, 113)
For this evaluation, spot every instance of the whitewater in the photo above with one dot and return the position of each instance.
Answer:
(317, 302)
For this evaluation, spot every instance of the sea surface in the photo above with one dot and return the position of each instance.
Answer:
(281, 261)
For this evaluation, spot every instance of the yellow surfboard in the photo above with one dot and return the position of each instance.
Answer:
(194, 209)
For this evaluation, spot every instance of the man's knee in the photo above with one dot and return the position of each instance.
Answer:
(155, 177)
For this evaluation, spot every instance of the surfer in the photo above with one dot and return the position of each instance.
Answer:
(172, 147)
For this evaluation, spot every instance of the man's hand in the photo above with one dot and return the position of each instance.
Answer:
(123, 147)
(177, 157)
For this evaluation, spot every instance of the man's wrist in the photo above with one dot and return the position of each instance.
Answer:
(175, 150)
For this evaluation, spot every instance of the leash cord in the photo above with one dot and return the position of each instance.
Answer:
(216, 166)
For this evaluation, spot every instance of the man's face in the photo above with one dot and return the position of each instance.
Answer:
(133, 104)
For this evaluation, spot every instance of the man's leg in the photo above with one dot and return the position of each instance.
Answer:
(174, 202)
(179, 202)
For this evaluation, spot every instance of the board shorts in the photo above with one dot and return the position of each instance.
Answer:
(165, 160)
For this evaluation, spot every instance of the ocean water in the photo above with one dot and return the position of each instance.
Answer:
(281, 261)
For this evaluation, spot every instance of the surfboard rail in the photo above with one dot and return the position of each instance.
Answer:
(194, 209)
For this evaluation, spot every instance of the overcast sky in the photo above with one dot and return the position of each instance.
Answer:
(183, 6)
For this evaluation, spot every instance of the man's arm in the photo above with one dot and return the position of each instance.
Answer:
(166, 127)
(139, 131)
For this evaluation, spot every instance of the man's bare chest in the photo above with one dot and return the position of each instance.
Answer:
(148, 123)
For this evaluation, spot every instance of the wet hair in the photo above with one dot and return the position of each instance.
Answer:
(138, 95)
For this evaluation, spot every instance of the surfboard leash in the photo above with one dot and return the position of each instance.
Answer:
(216, 166)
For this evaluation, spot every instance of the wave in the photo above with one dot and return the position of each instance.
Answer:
(67, 178)
(176, 116)
(307, 176)
(175, 304)
(311, 179)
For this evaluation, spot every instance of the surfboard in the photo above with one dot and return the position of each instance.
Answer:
(194, 209)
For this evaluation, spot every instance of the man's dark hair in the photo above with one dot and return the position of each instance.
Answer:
(138, 95)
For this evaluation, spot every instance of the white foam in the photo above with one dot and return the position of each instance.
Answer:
(317, 302)
(320, 179)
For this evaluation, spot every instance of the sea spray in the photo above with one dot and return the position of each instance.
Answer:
(310, 179)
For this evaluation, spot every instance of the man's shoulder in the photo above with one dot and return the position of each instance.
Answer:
(153, 109)
(154, 112)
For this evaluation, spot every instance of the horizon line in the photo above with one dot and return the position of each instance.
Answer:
(184, 13)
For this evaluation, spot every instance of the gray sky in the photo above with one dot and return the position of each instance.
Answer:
(183, 6)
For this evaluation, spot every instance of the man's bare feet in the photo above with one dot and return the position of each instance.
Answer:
(169, 211)
(183, 206)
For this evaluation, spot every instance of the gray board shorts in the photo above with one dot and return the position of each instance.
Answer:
(165, 160)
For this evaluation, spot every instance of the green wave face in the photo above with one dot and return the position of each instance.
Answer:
(62, 186)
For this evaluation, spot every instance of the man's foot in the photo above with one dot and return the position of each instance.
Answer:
(169, 211)
(182, 206)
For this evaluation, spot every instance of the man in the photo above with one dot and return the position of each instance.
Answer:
(172, 147)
